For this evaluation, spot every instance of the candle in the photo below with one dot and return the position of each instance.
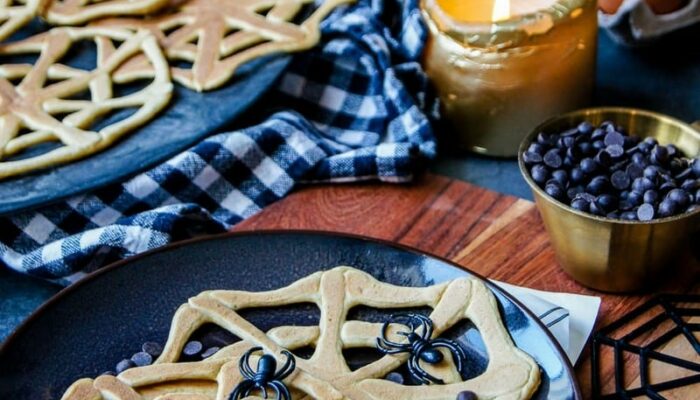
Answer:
(503, 66)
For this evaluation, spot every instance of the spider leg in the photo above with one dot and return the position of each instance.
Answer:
(383, 332)
(237, 391)
(263, 387)
(244, 364)
(458, 353)
(392, 351)
(427, 327)
(282, 391)
(412, 369)
(389, 345)
(288, 366)
(426, 377)
(250, 388)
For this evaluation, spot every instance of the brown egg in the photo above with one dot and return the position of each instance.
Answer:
(666, 6)
(658, 6)
(609, 6)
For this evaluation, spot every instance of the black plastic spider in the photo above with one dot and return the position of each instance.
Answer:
(266, 375)
(420, 346)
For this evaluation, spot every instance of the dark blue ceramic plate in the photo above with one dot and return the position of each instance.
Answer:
(188, 118)
(88, 328)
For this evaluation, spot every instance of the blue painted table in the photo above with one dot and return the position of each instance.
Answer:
(665, 78)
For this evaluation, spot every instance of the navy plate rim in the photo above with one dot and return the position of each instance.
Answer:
(20, 330)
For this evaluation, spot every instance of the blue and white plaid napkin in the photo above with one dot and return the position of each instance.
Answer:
(356, 106)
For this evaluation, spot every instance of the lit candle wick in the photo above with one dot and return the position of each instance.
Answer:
(501, 10)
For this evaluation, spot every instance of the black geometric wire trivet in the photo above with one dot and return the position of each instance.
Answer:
(649, 351)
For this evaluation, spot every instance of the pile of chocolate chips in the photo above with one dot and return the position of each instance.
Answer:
(607, 172)
(201, 347)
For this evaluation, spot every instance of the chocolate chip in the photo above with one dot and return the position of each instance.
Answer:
(466, 395)
(573, 191)
(555, 190)
(552, 158)
(695, 166)
(685, 174)
(395, 377)
(210, 352)
(603, 159)
(545, 139)
(690, 185)
(123, 365)
(645, 212)
(641, 185)
(537, 148)
(585, 196)
(606, 202)
(560, 176)
(576, 175)
(640, 159)
(598, 133)
(598, 185)
(539, 173)
(580, 204)
(565, 142)
(573, 153)
(588, 165)
(635, 198)
(531, 157)
(651, 196)
(192, 348)
(614, 138)
(620, 180)
(667, 208)
(679, 196)
(142, 359)
(595, 209)
(615, 151)
(667, 186)
(586, 148)
(659, 155)
(629, 216)
(585, 128)
(634, 171)
(152, 348)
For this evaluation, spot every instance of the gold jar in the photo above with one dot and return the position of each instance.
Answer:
(610, 254)
(498, 80)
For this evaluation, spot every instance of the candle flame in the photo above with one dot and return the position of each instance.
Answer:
(501, 10)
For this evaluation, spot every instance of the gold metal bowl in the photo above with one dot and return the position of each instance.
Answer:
(609, 254)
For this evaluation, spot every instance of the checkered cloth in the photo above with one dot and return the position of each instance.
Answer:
(356, 108)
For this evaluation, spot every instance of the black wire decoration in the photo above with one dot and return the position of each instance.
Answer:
(648, 352)
(420, 346)
(265, 375)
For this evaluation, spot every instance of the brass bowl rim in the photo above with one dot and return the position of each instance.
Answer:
(583, 113)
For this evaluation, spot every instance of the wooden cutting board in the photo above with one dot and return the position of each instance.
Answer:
(498, 236)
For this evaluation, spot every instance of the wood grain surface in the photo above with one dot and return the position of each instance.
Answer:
(495, 235)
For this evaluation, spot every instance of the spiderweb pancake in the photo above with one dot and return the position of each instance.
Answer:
(77, 12)
(14, 14)
(511, 374)
(44, 101)
(218, 36)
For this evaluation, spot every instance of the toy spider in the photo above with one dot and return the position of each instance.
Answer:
(420, 346)
(266, 375)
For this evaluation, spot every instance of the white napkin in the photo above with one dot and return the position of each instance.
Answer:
(570, 317)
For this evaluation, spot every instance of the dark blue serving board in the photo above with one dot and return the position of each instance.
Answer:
(189, 118)
(87, 328)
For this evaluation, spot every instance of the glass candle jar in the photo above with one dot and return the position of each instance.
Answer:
(500, 78)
